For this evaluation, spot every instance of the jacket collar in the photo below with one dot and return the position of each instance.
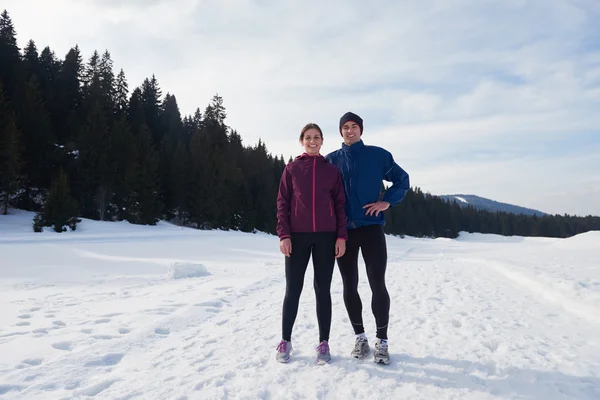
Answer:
(305, 156)
(353, 148)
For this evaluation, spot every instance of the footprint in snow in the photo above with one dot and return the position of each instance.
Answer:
(102, 321)
(162, 331)
(492, 345)
(29, 362)
(94, 389)
(103, 337)
(9, 388)
(456, 323)
(124, 331)
(106, 360)
(160, 311)
(176, 304)
(67, 346)
(24, 316)
(23, 323)
(32, 361)
(217, 304)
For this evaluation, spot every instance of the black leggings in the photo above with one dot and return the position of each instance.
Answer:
(322, 247)
(371, 240)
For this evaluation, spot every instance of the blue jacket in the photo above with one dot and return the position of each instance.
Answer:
(363, 169)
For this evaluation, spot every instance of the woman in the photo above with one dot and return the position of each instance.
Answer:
(310, 221)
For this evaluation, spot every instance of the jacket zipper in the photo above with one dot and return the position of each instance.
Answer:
(330, 208)
(296, 208)
(314, 194)
(351, 216)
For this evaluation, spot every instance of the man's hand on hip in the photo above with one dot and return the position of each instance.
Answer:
(377, 207)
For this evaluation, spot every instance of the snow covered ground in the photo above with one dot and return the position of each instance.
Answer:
(117, 311)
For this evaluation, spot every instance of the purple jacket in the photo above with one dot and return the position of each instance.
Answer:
(311, 198)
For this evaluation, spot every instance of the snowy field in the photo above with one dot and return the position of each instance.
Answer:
(117, 311)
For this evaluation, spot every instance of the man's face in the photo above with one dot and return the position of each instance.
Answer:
(350, 133)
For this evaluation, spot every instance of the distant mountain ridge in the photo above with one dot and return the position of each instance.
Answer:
(482, 203)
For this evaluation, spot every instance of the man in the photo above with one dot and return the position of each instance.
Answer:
(363, 169)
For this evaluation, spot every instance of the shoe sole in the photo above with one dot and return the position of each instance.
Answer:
(284, 360)
(382, 361)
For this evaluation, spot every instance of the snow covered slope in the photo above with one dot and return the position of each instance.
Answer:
(482, 203)
(117, 311)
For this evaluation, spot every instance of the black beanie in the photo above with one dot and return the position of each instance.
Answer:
(350, 116)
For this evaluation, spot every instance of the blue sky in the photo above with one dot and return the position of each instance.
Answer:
(495, 98)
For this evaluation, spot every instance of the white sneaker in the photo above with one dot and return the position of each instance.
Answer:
(361, 347)
(323, 355)
(382, 355)
(283, 351)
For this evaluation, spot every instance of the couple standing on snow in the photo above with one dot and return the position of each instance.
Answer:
(329, 207)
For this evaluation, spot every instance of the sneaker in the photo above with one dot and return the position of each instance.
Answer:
(283, 351)
(381, 356)
(323, 356)
(361, 347)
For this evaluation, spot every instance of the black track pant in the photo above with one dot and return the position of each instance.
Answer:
(322, 247)
(371, 240)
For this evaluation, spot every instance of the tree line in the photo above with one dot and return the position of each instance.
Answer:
(424, 215)
(76, 142)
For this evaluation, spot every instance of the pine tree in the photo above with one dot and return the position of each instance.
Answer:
(151, 95)
(179, 182)
(135, 114)
(31, 61)
(49, 68)
(215, 112)
(198, 191)
(125, 167)
(60, 209)
(214, 131)
(91, 75)
(197, 120)
(69, 97)
(173, 128)
(191, 125)
(122, 90)
(10, 57)
(107, 83)
(96, 164)
(39, 144)
(10, 152)
(238, 190)
(145, 206)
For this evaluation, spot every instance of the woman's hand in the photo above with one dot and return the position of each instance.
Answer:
(285, 245)
(340, 247)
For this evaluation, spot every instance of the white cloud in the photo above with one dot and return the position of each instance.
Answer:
(432, 79)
